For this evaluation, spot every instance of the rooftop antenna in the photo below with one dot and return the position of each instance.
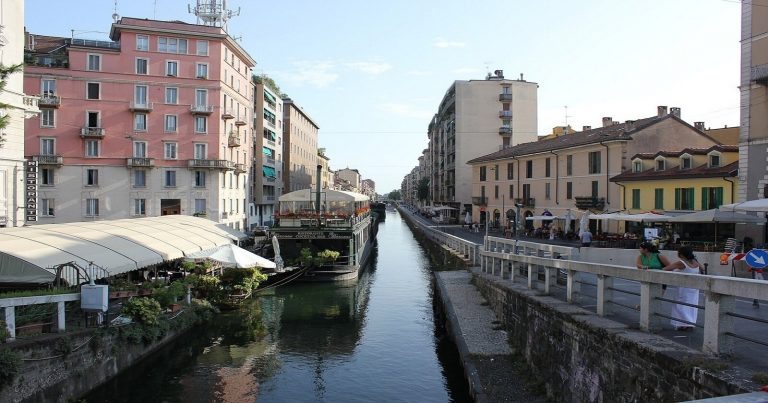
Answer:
(115, 15)
(213, 13)
(566, 118)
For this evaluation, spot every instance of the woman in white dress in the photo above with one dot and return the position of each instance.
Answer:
(686, 264)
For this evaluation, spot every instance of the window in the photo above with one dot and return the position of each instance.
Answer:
(202, 48)
(92, 177)
(47, 147)
(201, 97)
(92, 148)
(636, 199)
(200, 179)
(170, 179)
(711, 198)
(201, 151)
(94, 62)
(496, 192)
(172, 68)
(46, 176)
(92, 207)
(685, 162)
(637, 166)
(510, 170)
(529, 169)
(172, 45)
(496, 172)
(684, 198)
(47, 118)
(526, 193)
(202, 70)
(661, 164)
(171, 123)
(142, 65)
(511, 192)
(714, 160)
(139, 178)
(482, 174)
(48, 87)
(547, 190)
(139, 149)
(201, 124)
(569, 190)
(93, 91)
(139, 206)
(47, 207)
(658, 199)
(170, 151)
(547, 168)
(142, 43)
(140, 122)
(93, 119)
(595, 189)
(569, 165)
(140, 95)
(200, 206)
(594, 162)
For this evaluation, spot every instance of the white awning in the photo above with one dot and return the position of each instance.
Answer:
(326, 195)
(28, 254)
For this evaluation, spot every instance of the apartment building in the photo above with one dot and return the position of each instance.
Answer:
(326, 174)
(300, 139)
(573, 171)
(153, 122)
(18, 202)
(368, 188)
(352, 177)
(475, 118)
(267, 170)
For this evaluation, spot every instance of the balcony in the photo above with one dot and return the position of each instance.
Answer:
(234, 141)
(212, 164)
(268, 178)
(589, 202)
(141, 106)
(480, 201)
(271, 123)
(201, 109)
(505, 97)
(240, 122)
(57, 160)
(227, 114)
(49, 101)
(269, 160)
(505, 130)
(526, 202)
(140, 162)
(505, 114)
(93, 132)
(759, 74)
(240, 169)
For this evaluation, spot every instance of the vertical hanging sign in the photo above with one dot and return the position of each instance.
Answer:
(30, 190)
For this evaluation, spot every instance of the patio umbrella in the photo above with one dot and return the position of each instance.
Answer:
(645, 217)
(717, 216)
(278, 258)
(584, 222)
(759, 205)
(568, 217)
(231, 255)
(468, 218)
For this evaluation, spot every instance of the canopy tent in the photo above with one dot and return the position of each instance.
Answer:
(230, 255)
(717, 216)
(327, 195)
(541, 218)
(642, 217)
(233, 234)
(29, 254)
(759, 205)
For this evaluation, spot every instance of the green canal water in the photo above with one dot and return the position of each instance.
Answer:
(375, 340)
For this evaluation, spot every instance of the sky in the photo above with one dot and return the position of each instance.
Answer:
(372, 74)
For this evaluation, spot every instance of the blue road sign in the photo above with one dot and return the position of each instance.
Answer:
(757, 258)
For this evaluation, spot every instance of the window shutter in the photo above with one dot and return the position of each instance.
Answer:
(691, 200)
(704, 198)
(718, 197)
(677, 198)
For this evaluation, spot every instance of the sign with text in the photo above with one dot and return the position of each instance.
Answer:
(313, 235)
(30, 190)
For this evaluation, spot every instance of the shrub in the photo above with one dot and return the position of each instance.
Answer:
(10, 364)
(143, 310)
(4, 333)
(171, 294)
(242, 280)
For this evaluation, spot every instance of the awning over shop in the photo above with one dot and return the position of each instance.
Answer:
(29, 254)
(268, 172)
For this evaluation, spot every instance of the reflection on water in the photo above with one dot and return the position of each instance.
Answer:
(374, 339)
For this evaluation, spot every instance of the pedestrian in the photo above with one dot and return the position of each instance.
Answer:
(675, 238)
(688, 296)
(586, 237)
(650, 258)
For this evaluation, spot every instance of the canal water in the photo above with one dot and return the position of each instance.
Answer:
(375, 340)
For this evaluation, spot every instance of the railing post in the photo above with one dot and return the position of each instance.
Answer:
(649, 305)
(604, 294)
(531, 281)
(717, 323)
(61, 320)
(512, 268)
(10, 322)
(548, 271)
(573, 288)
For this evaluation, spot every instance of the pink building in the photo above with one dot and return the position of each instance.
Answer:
(155, 122)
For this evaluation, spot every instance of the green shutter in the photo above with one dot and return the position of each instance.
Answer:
(691, 200)
(677, 198)
(705, 198)
(635, 198)
(659, 199)
(718, 197)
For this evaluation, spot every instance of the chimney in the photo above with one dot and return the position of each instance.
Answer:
(585, 128)
(674, 111)
(607, 121)
(661, 110)
(629, 125)
(521, 77)
(699, 126)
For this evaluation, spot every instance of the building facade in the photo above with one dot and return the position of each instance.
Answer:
(267, 170)
(154, 122)
(15, 207)
(475, 118)
(368, 188)
(326, 174)
(352, 179)
(300, 139)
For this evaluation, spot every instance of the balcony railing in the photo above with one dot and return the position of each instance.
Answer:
(269, 160)
(268, 178)
(49, 159)
(51, 101)
(480, 200)
(505, 97)
(227, 114)
(505, 130)
(234, 141)
(526, 201)
(93, 132)
(141, 106)
(212, 164)
(240, 168)
(201, 109)
(505, 114)
(240, 122)
(589, 202)
(140, 162)
(271, 124)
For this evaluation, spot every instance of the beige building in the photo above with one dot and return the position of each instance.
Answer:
(300, 139)
(352, 177)
(476, 117)
(326, 174)
(573, 171)
(369, 188)
(266, 183)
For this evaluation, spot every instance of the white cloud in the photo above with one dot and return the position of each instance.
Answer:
(405, 110)
(374, 68)
(317, 74)
(442, 43)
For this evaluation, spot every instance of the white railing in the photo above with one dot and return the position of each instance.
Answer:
(505, 258)
(10, 304)
(462, 247)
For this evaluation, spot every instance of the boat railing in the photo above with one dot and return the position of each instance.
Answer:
(331, 222)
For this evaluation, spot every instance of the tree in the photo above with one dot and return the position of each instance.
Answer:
(394, 195)
(268, 82)
(422, 191)
(5, 118)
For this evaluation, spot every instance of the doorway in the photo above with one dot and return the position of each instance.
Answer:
(170, 206)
